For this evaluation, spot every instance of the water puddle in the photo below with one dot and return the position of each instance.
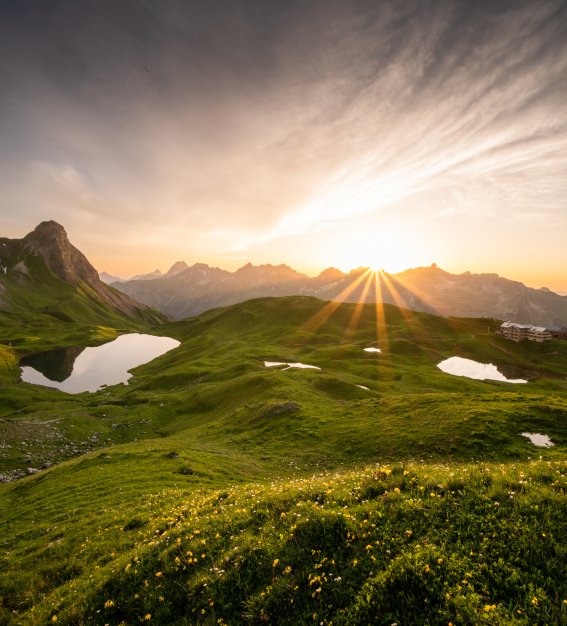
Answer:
(539, 440)
(457, 366)
(77, 369)
(291, 365)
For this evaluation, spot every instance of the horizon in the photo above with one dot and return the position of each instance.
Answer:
(334, 134)
(310, 274)
(361, 268)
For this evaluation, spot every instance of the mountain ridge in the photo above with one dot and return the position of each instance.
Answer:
(427, 289)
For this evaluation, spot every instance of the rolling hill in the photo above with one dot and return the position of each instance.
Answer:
(189, 495)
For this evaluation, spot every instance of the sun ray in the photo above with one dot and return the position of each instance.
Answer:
(355, 318)
(381, 327)
(317, 320)
(420, 293)
(396, 296)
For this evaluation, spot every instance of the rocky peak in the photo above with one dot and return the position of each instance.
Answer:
(49, 240)
(49, 228)
(47, 250)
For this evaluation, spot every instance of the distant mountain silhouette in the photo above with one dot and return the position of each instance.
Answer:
(428, 289)
(109, 278)
(149, 276)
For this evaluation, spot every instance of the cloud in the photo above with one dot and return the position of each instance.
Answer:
(447, 212)
(238, 127)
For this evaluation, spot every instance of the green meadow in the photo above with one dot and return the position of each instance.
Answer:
(213, 490)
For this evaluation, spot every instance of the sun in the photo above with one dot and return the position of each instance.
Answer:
(389, 250)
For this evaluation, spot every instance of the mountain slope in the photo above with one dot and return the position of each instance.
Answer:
(427, 289)
(44, 274)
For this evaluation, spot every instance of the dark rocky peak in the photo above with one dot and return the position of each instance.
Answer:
(49, 228)
(49, 241)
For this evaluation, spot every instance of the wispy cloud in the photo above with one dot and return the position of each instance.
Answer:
(265, 122)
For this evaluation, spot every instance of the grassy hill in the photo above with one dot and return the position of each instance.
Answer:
(278, 469)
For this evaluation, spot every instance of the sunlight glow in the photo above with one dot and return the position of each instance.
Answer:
(392, 249)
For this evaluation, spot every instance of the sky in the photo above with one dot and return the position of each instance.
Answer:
(316, 133)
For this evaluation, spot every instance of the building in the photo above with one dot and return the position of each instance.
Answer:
(538, 333)
(519, 332)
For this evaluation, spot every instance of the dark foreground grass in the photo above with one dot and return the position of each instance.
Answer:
(407, 544)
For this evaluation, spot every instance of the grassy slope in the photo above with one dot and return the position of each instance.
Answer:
(40, 297)
(230, 420)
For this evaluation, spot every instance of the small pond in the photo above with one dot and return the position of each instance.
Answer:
(458, 366)
(77, 369)
(539, 440)
(302, 366)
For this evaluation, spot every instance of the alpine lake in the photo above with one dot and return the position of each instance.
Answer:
(79, 369)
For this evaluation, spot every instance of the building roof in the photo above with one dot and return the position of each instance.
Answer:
(514, 325)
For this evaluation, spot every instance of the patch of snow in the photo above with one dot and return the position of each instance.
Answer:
(363, 387)
(290, 365)
(372, 350)
(539, 440)
(457, 366)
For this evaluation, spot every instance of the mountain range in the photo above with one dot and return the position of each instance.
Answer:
(43, 272)
(195, 289)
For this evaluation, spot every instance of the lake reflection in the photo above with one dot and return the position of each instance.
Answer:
(458, 366)
(87, 369)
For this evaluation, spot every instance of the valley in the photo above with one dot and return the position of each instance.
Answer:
(283, 313)
(209, 418)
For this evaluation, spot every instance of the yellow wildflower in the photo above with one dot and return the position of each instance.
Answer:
(275, 563)
(108, 604)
